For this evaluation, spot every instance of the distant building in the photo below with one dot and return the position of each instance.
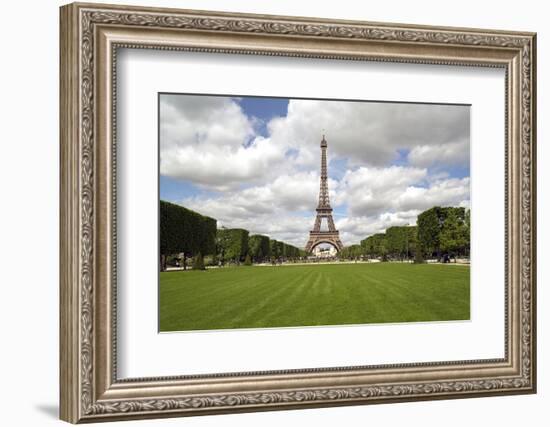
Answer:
(329, 252)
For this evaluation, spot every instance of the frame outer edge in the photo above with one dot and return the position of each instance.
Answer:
(77, 342)
(69, 355)
(533, 112)
(305, 19)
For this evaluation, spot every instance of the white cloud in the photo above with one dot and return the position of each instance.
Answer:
(449, 192)
(276, 209)
(376, 198)
(373, 133)
(446, 154)
(210, 142)
(205, 121)
(223, 167)
(354, 229)
(371, 190)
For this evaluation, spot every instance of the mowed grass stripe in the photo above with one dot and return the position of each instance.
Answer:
(254, 297)
(252, 309)
(212, 296)
(271, 310)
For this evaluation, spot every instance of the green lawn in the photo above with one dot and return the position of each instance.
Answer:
(258, 297)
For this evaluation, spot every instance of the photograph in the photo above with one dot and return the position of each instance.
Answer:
(289, 212)
(270, 209)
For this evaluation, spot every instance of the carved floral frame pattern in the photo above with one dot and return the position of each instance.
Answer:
(78, 399)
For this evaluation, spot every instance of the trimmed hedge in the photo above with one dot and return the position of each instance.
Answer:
(258, 247)
(375, 245)
(185, 231)
(232, 243)
(351, 252)
(276, 248)
(401, 241)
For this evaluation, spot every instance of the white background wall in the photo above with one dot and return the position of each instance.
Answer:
(29, 170)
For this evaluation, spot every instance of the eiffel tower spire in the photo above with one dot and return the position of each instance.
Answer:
(324, 210)
(324, 201)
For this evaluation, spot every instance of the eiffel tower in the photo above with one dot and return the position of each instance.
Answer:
(316, 236)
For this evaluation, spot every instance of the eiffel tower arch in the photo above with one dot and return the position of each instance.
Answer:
(324, 211)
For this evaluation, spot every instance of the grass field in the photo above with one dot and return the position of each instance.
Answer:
(258, 297)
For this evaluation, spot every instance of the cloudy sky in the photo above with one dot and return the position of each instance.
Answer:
(254, 162)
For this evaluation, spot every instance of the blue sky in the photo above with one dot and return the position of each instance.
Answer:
(263, 109)
(254, 162)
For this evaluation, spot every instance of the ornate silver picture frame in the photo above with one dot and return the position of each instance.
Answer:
(91, 34)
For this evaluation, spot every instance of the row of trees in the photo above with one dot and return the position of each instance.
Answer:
(185, 232)
(351, 252)
(237, 245)
(284, 250)
(439, 231)
(398, 242)
(375, 245)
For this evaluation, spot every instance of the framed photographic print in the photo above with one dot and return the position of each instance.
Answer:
(266, 212)
(390, 165)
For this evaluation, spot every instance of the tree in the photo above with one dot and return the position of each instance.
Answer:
(285, 250)
(289, 251)
(232, 244)
(276, 248)
(198, 262)
(247, 260)
(412, 241)
(258, 247)
(401, 241)
(351, 252)
(383, 249)
(184, 231)
(375, 246)
(418, 256)
(395, 241)
(207, 235)
(438, 229)
(431, 224)
(454, 236)
(467, 231)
